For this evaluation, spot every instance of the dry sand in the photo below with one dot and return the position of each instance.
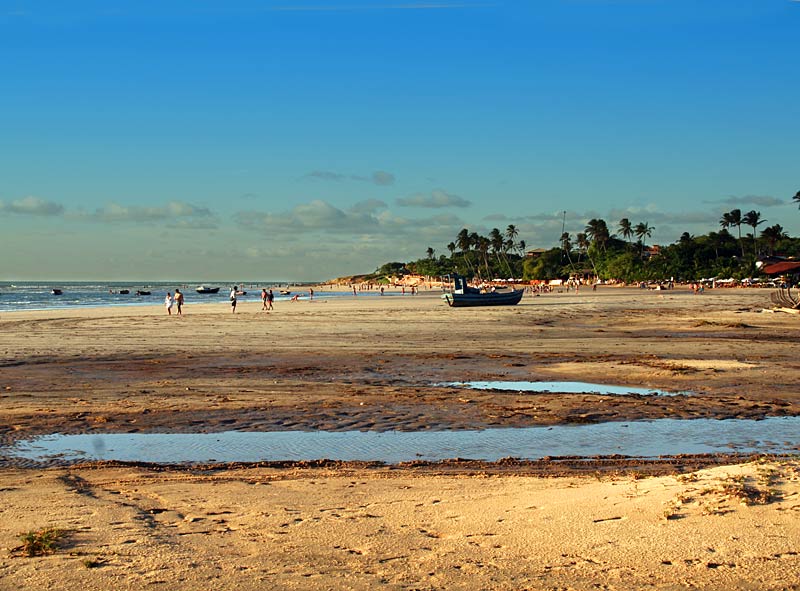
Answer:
(368, 363)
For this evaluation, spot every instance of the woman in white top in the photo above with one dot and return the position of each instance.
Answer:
(168, 302)
(233, 298)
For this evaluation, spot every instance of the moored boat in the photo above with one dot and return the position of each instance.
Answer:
(204, 289)
(56, 291)
(462, 295)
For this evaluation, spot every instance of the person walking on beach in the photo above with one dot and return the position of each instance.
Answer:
(263, 299)
(233, 298)
(168, 301)
(270, 299)
(179, 301)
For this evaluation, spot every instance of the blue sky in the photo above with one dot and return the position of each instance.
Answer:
(304, 140)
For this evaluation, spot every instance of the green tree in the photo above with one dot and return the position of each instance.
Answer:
(544, 267)
(499, 249)
(597, 231)
(511, 234)
(753, 219)
(731, 219)
(643, 230)
(483, 244)
(582, 242)
(626, 229)
(771, 235)
(465, 245)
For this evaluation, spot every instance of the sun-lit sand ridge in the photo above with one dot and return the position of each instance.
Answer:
(367, 363)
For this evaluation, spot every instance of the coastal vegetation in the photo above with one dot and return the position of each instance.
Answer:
(623, 253)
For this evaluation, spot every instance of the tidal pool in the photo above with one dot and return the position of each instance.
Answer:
(565, 388)
(645, 439)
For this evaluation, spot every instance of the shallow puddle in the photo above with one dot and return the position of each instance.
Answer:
(646, 439)
(565, 388)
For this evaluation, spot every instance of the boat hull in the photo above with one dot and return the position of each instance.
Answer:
(466, 300)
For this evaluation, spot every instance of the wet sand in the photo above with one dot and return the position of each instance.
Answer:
(374, 363)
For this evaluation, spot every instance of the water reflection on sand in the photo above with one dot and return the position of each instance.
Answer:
(641, 439)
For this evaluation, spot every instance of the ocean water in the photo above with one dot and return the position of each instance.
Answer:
(38, 295)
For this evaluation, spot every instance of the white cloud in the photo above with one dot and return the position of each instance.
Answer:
(365, 221)
(437, 198)
(762, 200)
(368, 206)
(32, 206)
(179, 213)
(383, 178)
(379, 177)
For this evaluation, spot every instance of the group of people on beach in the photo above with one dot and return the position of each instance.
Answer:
(267, 297)
(176, 300)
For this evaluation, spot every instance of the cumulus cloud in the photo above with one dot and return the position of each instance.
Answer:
(383, 178)
(762, 200)
(178, 214)
(316, 215)
(652, 214)
(437, 198)
(379, 177)
(326, 175)
(368, 206)
(367, 219)
(32, 206)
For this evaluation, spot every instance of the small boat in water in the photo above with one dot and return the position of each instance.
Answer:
(284, 292)
(124, 291)
(204, 289)
(462, 295)
(56, 291)
(141, 292)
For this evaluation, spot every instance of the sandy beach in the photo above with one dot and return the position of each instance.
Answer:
(371, 363)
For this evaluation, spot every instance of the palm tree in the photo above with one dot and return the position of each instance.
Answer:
(733, 218)
(626, 229)
(497, 240)
(482, 245)
(772, 234)
(643, 230)
(753, 218)
(521, 244)
(566, 246)
(452, 248)
(797, 198)
(511, 233)
(430, 253)
(583, 244)
(597, 231)
(566, 242)
(498, 246)
(464, 244)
